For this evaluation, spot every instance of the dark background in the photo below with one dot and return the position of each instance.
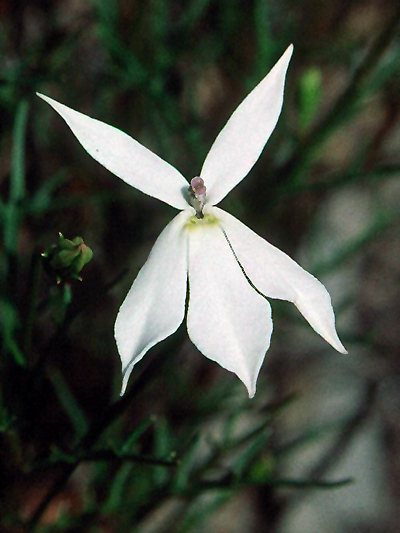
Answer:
(186, 450)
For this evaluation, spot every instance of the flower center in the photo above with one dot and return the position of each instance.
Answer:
(195, 222)
(197, 196)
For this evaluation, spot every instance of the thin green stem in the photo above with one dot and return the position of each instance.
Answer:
(17, 181)
(71, 314)
(108, 455)
(226, 483)
(11, 221)
(31, 302)
(94, 433)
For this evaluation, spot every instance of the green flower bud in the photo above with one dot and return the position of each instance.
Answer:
(67, 258)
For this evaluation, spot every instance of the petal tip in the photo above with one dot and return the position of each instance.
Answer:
(335, 343)
(252, 393)
(43, 96)
(286, 56)
(251, 386)
(125, 377)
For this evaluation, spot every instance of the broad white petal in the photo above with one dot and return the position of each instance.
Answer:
(241, 141)
(125, 157)
(276, 275)
(228, 321)
(155, 305)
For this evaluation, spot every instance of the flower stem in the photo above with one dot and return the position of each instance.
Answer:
(31, 302)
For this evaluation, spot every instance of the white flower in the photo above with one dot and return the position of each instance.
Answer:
(231, 270)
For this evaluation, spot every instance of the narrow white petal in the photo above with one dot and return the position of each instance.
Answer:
(276, 275)
(228, 321)
(155, 305)
(241, 141)
(125, 157)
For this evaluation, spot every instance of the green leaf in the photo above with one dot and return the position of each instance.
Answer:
(17, 183)
(71, 406)
(10, 323)
(310, 93)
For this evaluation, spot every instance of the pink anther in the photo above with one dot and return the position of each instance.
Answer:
(198, 186)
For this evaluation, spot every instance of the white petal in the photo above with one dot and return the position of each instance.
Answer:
(155, 305)
(276, 275)
(241, 141)
(228, 321)
(125, 157)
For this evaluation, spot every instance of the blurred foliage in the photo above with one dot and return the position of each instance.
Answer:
(185, 440)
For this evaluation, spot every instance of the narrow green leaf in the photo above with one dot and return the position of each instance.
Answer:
(17, 183)
(70, 404)
(137, 433)
(310, 93)
(9, 324)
